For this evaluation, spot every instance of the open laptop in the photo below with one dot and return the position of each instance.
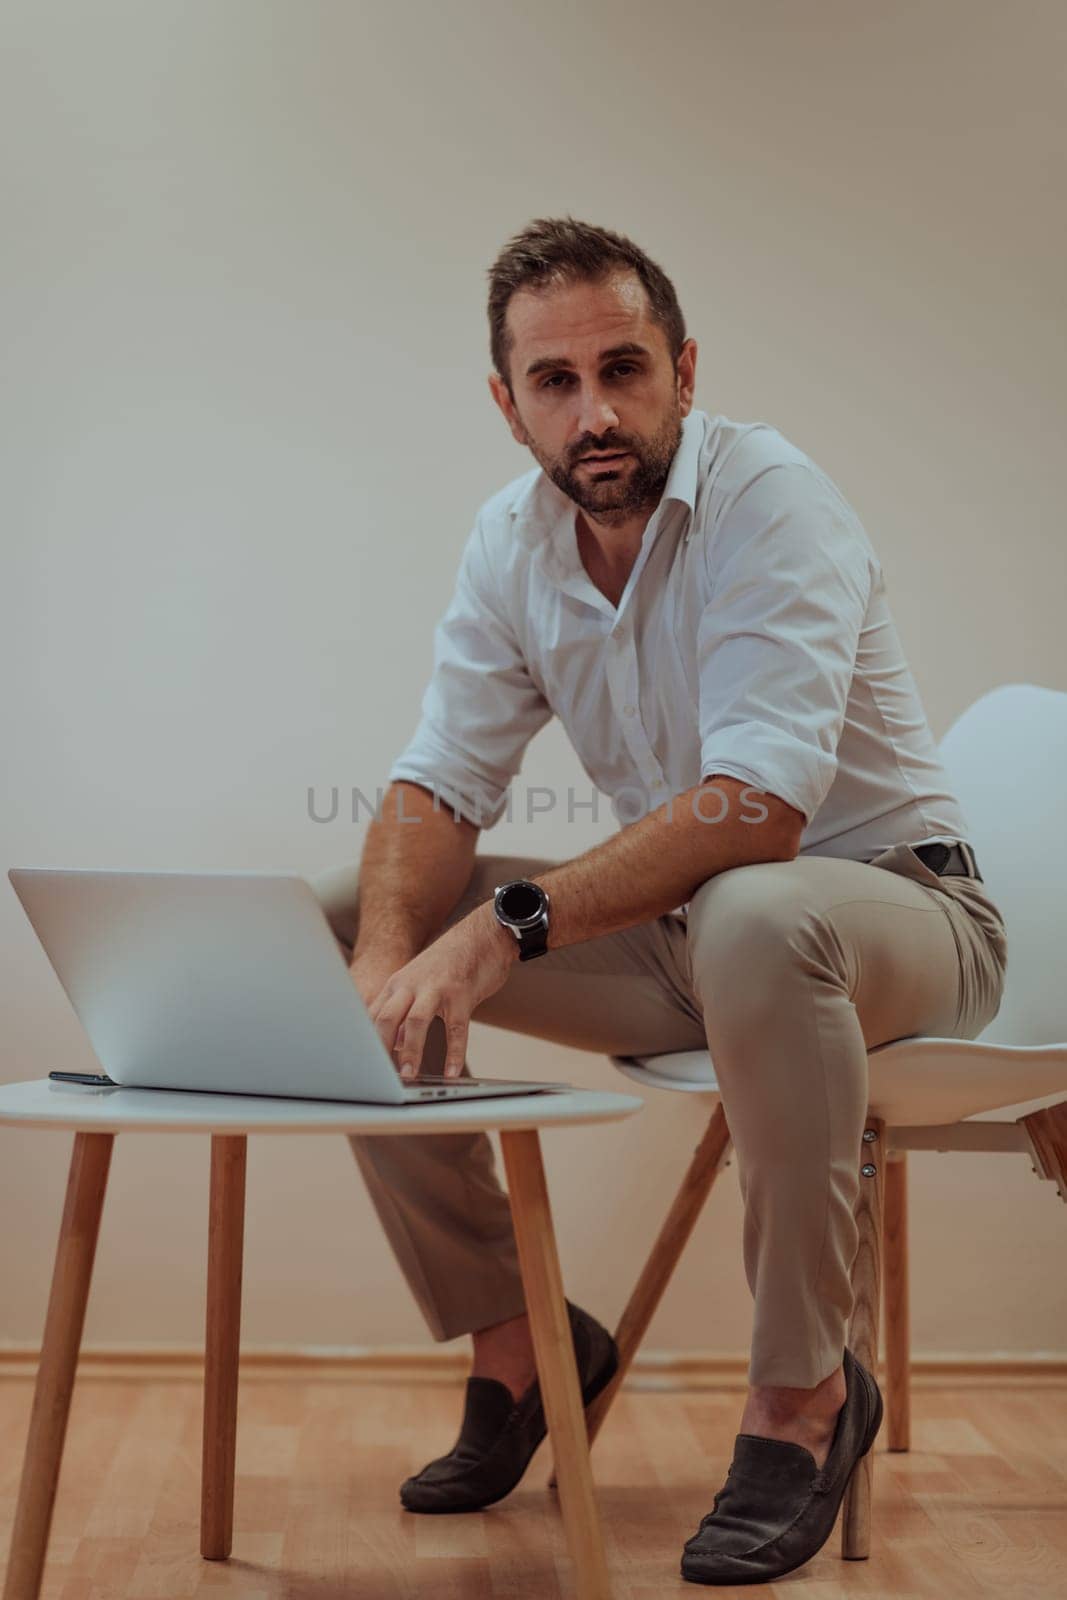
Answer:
(226, 982)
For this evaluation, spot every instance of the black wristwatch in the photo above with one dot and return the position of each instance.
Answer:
(522, 907)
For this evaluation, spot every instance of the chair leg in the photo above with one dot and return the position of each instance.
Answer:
(895, 1304)
(226, 1217)
(863, 1328)
(708, 1160)
(554, 1351)
(65, 1318)
(1047, 1133)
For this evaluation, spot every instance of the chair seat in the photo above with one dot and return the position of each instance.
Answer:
(913, 1082)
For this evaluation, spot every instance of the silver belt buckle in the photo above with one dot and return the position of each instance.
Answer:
(968, 858)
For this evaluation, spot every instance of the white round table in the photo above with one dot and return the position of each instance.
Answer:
(96, 1114)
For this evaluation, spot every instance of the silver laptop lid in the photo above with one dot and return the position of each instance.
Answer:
(227, 981)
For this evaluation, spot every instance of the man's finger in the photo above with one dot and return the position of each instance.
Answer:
(412, 1040)
(389, 1018)
(457, 1029)
(405, 1072)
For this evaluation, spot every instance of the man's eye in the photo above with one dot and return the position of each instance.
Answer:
(624, 368)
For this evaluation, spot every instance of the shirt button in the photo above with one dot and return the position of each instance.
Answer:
(629, 711)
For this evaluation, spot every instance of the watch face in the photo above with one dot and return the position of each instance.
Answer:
(521, 902)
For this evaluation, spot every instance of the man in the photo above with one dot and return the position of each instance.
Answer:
(703, 611)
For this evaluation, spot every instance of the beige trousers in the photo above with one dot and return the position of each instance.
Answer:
(788, 972)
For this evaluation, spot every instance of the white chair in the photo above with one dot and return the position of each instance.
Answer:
(1007, 759)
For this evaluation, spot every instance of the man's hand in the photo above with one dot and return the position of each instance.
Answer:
(374, 968)
(449, 979)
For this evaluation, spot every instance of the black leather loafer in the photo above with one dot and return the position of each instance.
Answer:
(776, 1509)
(499, 1434)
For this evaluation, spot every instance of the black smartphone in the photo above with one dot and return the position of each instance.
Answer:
(83, 1077)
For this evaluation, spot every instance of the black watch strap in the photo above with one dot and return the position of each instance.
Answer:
(533, 942)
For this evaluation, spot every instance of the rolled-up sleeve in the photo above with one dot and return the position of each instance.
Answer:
(790, 580)
(481, 707)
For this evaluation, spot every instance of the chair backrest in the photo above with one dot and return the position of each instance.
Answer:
(1006, 758)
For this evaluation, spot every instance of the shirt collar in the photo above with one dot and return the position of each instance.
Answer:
(539, 504)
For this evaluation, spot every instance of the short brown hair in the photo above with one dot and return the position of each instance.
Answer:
(553, 250)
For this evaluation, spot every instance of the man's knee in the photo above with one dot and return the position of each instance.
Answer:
(337, 891)
(747, 927)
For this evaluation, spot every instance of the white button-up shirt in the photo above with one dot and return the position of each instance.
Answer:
(753, 639)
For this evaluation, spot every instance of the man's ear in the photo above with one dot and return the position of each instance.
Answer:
(501, 394)
(686, 373)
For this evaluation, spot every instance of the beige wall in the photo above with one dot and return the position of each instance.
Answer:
(246, 427)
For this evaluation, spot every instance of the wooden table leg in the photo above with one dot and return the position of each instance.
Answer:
(554, 1351)
(226, 1221)
(71, 1277)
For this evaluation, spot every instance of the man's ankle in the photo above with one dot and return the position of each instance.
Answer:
(504, 1351)
(805, 1416)
(824, 1399)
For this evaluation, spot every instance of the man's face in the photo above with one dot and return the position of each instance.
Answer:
(591, 372)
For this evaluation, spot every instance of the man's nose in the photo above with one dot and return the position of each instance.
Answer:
(597, 415)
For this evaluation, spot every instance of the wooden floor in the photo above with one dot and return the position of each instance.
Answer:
(978, 1508)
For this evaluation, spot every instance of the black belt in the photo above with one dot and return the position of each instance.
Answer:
(949, 860)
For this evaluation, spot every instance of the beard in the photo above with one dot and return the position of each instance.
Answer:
(614, 493)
